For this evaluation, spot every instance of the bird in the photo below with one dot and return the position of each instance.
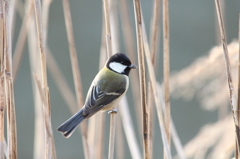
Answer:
(105, 92)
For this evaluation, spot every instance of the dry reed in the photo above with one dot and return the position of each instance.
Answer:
(8, 85)
(142, 78)
(166, 69)
(155, 92)
(238, 104)
(229, 75)
(154, 35)
(39, 149)
(49, 144)
(2, 81)
(186, 81)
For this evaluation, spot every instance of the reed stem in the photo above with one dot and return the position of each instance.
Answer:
(9, 91)
(229, 74)
(166, 69)
(142, 78)
(2, 81)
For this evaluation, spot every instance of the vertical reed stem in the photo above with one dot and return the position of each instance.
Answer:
(2, 94)
(228, 67)
(9, 97)
(154, 36)
(49, 144)
(238, 104)
(138, 22)
(108, 28)
(112, 134)
(167, 113)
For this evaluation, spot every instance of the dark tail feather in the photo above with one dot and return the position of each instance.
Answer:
(68, 127)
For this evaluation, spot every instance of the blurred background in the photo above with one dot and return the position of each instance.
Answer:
(193, 33)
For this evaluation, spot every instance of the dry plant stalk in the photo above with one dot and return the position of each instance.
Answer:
(238, 104)
(166, 69)
(154, 36)
(108, 28)
(142, 78)
(238, 108)
(39, 132)
(2, 68)
(155, 91)
(49, 145)
(112, 134)
(120, 150)
(229, 74)
(8, 85)
(76, 72)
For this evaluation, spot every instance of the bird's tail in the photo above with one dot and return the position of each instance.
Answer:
(68, 127)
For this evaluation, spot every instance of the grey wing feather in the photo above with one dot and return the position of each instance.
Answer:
(97, 100)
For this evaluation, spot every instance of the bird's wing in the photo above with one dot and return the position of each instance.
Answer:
(98, 99)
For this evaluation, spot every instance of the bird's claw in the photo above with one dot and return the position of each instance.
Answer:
(113, 111)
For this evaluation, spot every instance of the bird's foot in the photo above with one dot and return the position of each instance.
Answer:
(113, 111)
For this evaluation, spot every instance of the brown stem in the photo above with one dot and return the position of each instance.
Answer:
(142, 78)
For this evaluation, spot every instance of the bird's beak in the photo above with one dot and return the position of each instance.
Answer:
(132, 66)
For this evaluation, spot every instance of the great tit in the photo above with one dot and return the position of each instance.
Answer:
(106, 90)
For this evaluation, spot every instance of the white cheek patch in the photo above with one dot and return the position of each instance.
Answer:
(117, 67)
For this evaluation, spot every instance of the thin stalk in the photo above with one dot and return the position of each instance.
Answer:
(45, 16)
(155, 92)
(11, 122)
(34, 56)
(2, 81)
(154, 30)
(9, 97)
(49, 145)
(166, 69)
(120, 139)
(112, 135)
(228, 67)
(154, 36)
(76, 72)
(142, 78)
(238, 104)
(108, 27)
